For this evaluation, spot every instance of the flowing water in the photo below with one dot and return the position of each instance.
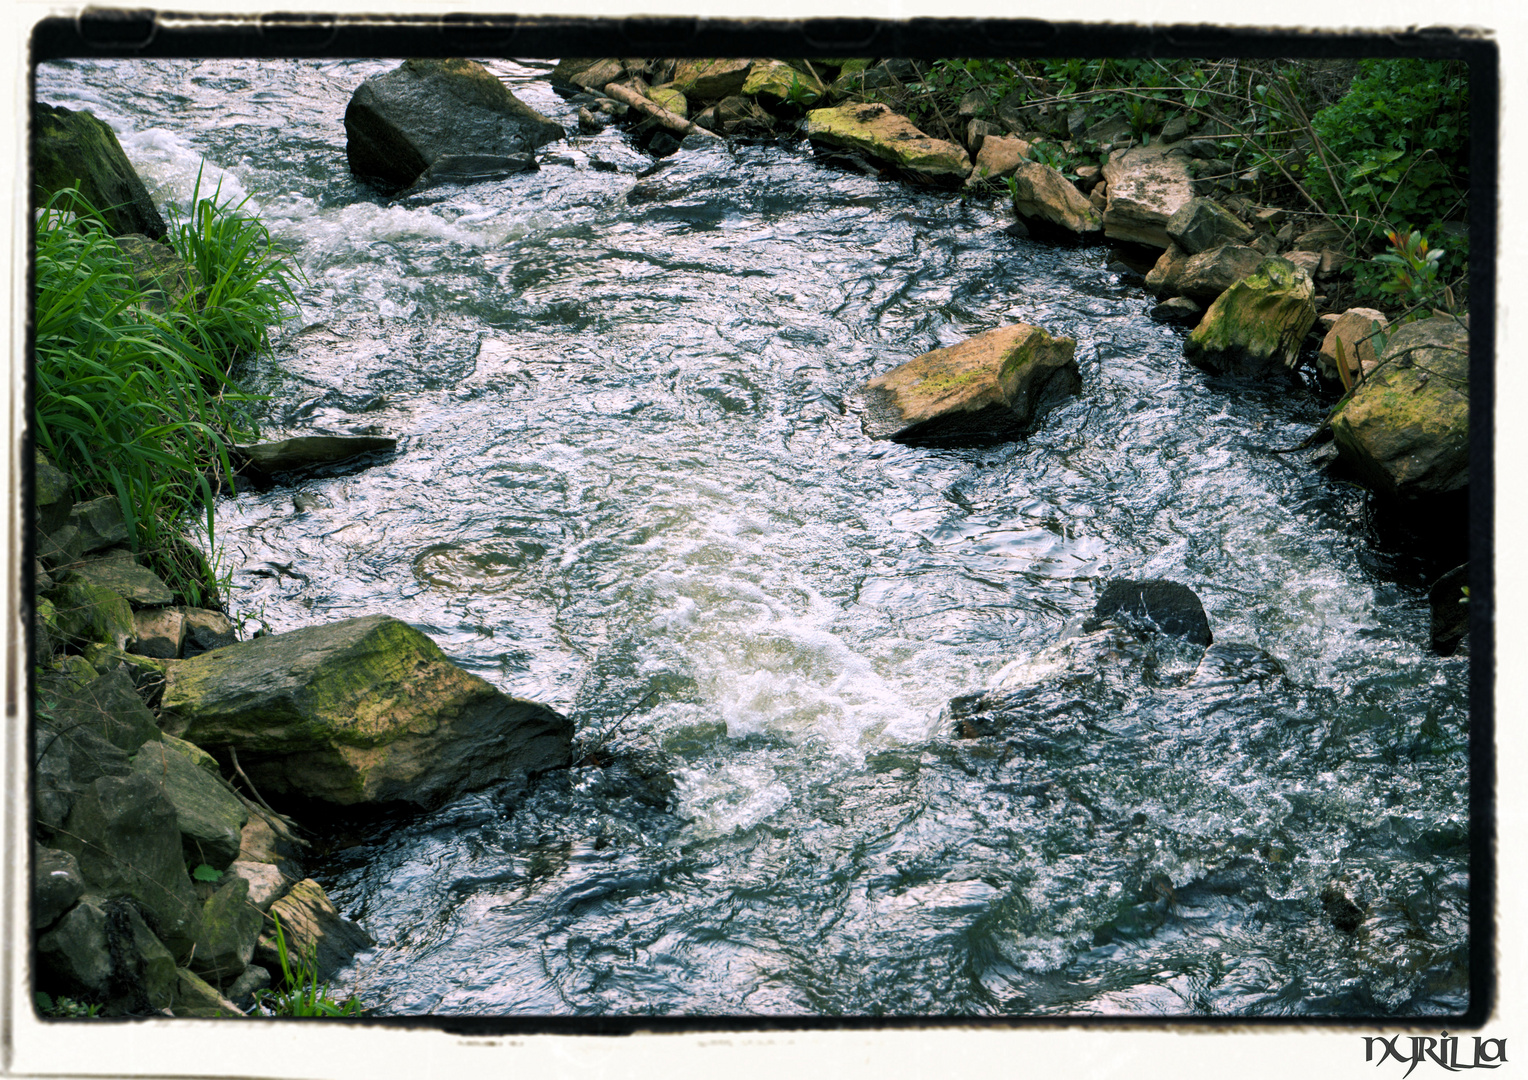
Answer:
(630, 485)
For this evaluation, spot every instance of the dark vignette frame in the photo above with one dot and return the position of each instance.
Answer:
(148, 34)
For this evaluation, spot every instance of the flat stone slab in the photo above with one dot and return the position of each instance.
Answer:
(875, 130)
(120, 574)
(311, 451)
(1147, 186)
(994, 386)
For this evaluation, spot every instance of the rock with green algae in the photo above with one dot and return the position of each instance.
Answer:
(311, 926)
(76, 150)
(230, 927)
(994, 386)
(103, 948)
(778, 83)
(875, 130)
(670, 98)
(195, 997)
(89, 612)
(1405, 430)
(209, 816)
(1257, 326)
(118, 572)
(359, 711)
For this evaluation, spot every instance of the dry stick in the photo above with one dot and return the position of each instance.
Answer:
(287, 823)
(673, 121)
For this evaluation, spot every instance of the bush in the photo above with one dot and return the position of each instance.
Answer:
(139, 403)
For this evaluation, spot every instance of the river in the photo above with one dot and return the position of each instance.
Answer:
(629, 486)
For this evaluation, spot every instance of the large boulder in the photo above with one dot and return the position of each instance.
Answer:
(1405, 430)
(875, 130)
(1258, 325)
(994, 386)
(360, 711)
(398, 124)
(1049, 203)
(75, 150)
(1147, 186)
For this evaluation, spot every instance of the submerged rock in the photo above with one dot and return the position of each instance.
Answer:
(74, 149)
(1258, 325)
(359, 711)
(1405, 431)
(399, 124)
(309, 452)
(1449, 602)
(994, 386)
(875, 130)
(1155, 604)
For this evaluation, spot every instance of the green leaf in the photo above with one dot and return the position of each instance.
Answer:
(203, 872)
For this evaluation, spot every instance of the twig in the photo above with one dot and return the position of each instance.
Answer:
(280, 823)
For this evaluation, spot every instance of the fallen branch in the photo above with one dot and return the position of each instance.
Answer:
(651, 109)
(280, 824)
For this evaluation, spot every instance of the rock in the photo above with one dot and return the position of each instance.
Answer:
(1205, 276)
(52, 494)
(206, 630)
(1266, 244)
(1308, 261)
(1331, 263)
(397, 125)
(100, 523)
(311, 451)
(195, 997)
(875, 130)
(1344, 915)
(1174, 129)
(1098, 198)
(1324, 235)
(207, 814)
(265, 882)
(887, 75)
(977, 131)
(159, 632)
(1048, 203)
(1257, 325)
(56, 885)
(72, 149)
(1147, 186)
(1201, 224)
(710, 79)
(104, 949)
(125, 836)
(230, 927)
(1162, 278)
(260, 844)
(670, 98)
(249, 983)
(363, 710)
(999, 157)
(1179, 310)
(1163, 606)
(777, 83)
(590, 74)
(1450, 603)
(1352, 327)
(470, 169)
(166, 280)
(309, 922)
(994, 386)
(588, 124)
(61, 548)
(121, 574)
(1405, 431)
(972, 103)
(81, 734)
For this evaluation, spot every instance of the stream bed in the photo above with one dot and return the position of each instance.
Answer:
(629, 486)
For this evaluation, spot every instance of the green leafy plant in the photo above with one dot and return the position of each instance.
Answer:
(301, 993)
(134, 396)
(203, 872)
(1413, 270)
(47, 1005)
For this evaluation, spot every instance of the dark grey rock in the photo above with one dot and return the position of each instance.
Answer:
(1166, 606)
(1201, 224)
(120, 573)
(56, 885)
(103, 949)
(82, 734)
(242, 990)
(61, 548)
(206, 630)
(52, 494)
(310, 451)
(1450, 610)
(230, 927)
(72, 149)
(209, 816)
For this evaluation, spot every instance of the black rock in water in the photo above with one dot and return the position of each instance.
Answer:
(1165, 605)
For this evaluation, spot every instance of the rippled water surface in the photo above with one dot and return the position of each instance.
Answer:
(629, 486)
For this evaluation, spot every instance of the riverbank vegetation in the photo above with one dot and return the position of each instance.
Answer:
(135, 390)
(1375, 147)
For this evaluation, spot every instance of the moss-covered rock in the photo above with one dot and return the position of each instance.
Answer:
(165, 279)
(52, 494)
(209, 816)
(1405, 430)
(710, 78)
(102, 949)
(779, 84)
(56, 885)
(991, 387)
(1051, 204)
(87, 613)
(875, 130)
(195, 997)
(398, 124)
(100, 523)
(670, 98)
(84, 730)
(118, 572)
(230, 927)
(364, 710)
(1258, 325)
(74, 149)
(312, 926)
